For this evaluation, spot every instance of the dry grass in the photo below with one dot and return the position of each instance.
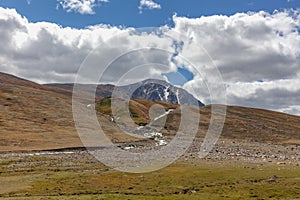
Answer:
(34, 119)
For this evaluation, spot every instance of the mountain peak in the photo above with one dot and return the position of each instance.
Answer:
(161, 91)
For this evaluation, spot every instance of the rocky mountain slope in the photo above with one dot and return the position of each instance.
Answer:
(159, 90)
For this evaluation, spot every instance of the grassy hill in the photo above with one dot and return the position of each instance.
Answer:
(241, 123)
(35, 118)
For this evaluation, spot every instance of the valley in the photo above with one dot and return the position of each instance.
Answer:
(42, 157)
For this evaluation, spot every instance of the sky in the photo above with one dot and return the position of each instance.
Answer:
(250, 48)
(134, 13)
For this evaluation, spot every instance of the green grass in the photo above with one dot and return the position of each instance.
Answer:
(197, 180)
(138, 109)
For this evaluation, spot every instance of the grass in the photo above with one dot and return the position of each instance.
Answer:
(182, 180)
(138, 109)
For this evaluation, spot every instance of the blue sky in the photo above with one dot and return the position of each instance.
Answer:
(256, 50)
(180, 77)
(126, 12)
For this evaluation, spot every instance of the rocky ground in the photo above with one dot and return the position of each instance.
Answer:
(232, 170)
(224, 150)
(252, 152)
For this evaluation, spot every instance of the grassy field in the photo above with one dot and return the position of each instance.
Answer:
(44, 177)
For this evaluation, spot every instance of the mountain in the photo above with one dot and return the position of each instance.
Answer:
(161, 91)
(39, 117)
(102, 91)
(150, 89)
(35, 117)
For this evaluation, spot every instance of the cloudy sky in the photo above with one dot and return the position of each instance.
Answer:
(251, 48)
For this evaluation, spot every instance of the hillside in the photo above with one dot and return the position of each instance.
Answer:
(33, 118)
(9, 79)
(241, 123)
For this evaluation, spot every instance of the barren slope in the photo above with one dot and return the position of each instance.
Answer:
(8, 79)
(32, 118)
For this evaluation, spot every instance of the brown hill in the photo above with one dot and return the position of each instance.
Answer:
(9, 79)
(241, 123)
(35, 118)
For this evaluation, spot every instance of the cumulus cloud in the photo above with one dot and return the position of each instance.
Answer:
(148, 4)
(80, 6)
(247, 46)
(280, 95)
(46, 52)
(257, 54)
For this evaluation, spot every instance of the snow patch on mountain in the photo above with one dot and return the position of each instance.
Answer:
(167, 93)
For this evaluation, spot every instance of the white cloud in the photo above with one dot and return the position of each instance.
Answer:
(47, 52)
(87, 6)
(80, 6)
(148, 4)
(294, 110)
(258, 54)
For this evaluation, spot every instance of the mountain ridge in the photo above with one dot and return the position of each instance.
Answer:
(38, 119)
(10, 79)
(149, 89)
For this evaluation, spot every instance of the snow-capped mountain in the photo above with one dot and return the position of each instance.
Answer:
(150, 89)
(159, 90)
